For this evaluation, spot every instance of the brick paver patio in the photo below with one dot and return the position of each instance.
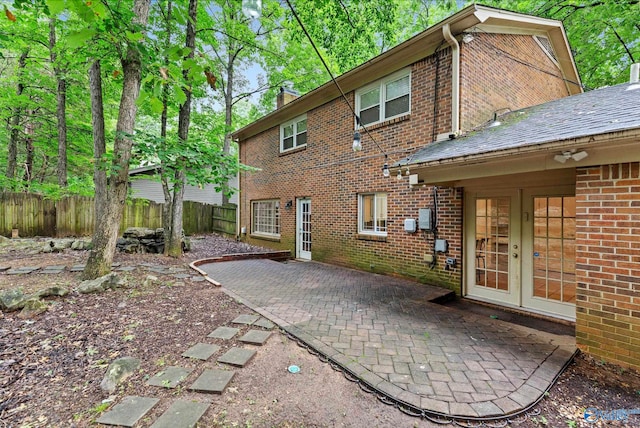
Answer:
(386, 332)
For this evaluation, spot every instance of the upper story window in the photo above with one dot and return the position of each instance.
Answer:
(385, 99)
(372, 213)
(293, 134)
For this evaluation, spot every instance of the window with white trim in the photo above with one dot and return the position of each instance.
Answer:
(265, 218)
(372, 213)
(385, 99)
(293, 134)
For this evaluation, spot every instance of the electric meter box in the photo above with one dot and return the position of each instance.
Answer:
(410, 225)
(424, 219)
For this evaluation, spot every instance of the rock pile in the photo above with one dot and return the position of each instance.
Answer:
(145, 240)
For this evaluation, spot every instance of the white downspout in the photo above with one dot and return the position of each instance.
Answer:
(455, 79)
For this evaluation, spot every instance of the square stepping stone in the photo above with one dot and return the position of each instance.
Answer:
(128, 411)
(197, 279)
(22, 270)
(77, 268)
(126, 268)
(213, 381)
(264, 323)
(237, 356)
(201, 351)
(4, 268)
(181, 275)
(223, 333)
(181, 414)
(245, 319)
(51, 271)
(169, 377)
(255, 337)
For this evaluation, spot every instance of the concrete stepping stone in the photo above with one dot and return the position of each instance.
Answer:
(255, 337)
(213, 381)
(237, 356)
(52, 269)
(77, 268)
(224, 333)
(4, 268)
(126, 268)
(181, 414)
(169, 377)
(115, 264)
(201, 351)
(197, 279)
(245, 319)
(128, 411)
(264, 323)
(22, 270)
(181, 275)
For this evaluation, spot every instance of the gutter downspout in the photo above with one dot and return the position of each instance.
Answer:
(455, 79)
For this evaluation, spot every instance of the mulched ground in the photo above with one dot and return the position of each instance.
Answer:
(51, 365)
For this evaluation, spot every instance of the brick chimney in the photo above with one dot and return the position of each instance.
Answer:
(285, 96)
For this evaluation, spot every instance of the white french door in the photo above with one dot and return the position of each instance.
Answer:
(493, 247)
(520, 249)
(303, 229)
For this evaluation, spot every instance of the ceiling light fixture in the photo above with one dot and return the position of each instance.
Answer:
(570, 154)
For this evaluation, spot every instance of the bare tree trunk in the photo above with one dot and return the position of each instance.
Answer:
(61, 107)
(228, 117)
(29, 130)
(12, 157)
(99, 143)
(173, 245)
(106, 231)
(168, 200)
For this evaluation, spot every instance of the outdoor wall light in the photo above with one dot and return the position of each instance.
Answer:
(357, 141)
(399, 176)
(385, 168)
(252, 8)
(570, 154)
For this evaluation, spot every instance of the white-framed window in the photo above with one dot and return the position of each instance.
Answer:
(265, 218)
(384, 99)
(293, 134)
(372, 213)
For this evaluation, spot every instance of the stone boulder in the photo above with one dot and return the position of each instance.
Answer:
(118, 371)
(109, 281)
(12, 299)
(33, 307)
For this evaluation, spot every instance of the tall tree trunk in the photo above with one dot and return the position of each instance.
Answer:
(99, 143)
(61, 107)
(228, 117)
(173, 245)
(106, 231)
(12, 156)
(29, 131)
(168, 200)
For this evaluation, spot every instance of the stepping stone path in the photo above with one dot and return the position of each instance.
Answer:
(178, 273)
(187, 413)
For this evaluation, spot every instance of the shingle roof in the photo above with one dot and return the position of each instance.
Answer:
(601, 111)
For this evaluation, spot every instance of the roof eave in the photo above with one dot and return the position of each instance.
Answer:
(416, 48)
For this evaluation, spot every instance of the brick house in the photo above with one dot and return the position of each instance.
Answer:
(484, 195)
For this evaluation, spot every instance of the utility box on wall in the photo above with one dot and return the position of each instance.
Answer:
(409, 225)
(424, 219)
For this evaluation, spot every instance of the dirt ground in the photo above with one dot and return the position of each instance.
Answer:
(51, 365)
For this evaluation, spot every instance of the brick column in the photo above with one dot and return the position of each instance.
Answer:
(608, 262)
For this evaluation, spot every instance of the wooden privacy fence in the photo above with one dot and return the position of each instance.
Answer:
(224, 219)
(33, 215)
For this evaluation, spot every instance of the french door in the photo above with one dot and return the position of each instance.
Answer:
(303, 229)
(520, 247)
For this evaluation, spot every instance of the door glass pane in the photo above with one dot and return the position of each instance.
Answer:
(492, 243)
(554, 248)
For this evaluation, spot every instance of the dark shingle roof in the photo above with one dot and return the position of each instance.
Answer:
(601, 111)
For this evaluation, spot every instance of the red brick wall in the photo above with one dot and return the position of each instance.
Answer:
(608, 262)
(332, 175)
(500, 72)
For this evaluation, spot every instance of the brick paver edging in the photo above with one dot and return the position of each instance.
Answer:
(278, 256)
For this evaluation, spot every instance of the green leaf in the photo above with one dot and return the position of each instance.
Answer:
(56, 6)
(156, 105)
(179, 95)
(134, 37)
(79, 38)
